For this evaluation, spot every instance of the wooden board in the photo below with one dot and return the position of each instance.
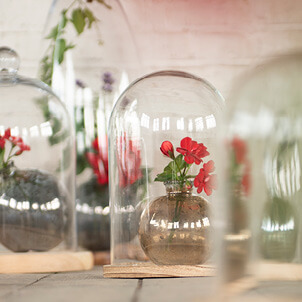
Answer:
(279, 271)
(101, 258)
(150, 270)
(18, 263)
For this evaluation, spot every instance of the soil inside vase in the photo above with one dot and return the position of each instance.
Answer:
(182, 241)
(33, 211)
(93, 216)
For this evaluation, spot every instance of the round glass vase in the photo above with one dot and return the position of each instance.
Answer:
(175, 229)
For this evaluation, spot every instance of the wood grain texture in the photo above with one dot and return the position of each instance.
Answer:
(150, 270)
(91, 286)
(17, 263)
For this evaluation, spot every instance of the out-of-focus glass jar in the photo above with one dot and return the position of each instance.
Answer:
(37, 167)
(264, 126)
(87, 68)
(163, 133)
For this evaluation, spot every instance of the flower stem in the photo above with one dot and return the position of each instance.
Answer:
(176, 216)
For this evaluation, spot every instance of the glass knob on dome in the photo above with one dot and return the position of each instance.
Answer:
(9, 60)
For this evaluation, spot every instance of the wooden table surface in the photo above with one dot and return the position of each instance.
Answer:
(89, 286)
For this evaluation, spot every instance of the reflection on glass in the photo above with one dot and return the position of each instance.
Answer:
(279, 227)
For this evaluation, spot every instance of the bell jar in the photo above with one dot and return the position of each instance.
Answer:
(36, 165)
(263, 169)
(88, 55)
(162, 155)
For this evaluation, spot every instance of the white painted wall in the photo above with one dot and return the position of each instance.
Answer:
(217, 39)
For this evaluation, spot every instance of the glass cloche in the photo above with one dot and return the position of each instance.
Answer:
(162, 155)
(264, 174)
(36, 165)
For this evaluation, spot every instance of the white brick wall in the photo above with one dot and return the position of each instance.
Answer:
(217, 40)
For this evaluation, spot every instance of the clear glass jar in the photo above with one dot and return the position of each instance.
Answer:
(37, 168)
(264, 135)
(86, 67)
(163, 129)
(175, 228)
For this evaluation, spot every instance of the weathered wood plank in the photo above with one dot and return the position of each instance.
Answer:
(150, 270)
(76, 286)
(17, 263)
(13, 283)
(178, 289)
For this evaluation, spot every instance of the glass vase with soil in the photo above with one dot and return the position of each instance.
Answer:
(176, 229)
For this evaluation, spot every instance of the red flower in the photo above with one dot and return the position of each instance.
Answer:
(16, 141)
(246, 180)
(205, 181)
(22, 147)
(2, 142)
(129, 162)
(167, 149)
(239, 147)
(7, 133)
(98, 160)
(192, 151)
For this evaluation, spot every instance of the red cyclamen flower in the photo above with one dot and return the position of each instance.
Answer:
(205, 181)
(167, 149)
(192, 151)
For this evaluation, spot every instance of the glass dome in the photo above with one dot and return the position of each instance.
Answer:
(162, 150)
(264, 173)
(89, 53)
(36, 165)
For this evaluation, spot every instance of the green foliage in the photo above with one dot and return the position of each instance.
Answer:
(175, 170)
(82, 163)
(80, 18)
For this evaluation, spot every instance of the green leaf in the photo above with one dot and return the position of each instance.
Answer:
(70, 46)
(78, 20)
(163, 177)
(189, 176)
(63, 20)
(89, 15)
(104, 3)
(60, 50)
(82, 163)
(53, 33)
(180, 162)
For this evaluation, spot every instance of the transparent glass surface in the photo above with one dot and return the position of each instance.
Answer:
(36, 164)
(88, 57)
(163, 106)
(264, 173)
(189, 241)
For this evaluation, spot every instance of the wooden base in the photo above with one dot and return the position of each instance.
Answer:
(19, 263)
(101, 258)
(269, 271)
(150, 270)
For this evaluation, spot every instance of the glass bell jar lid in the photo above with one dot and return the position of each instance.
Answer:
(263, 130)
(162, 144)
(36, 164)
(9, 66)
